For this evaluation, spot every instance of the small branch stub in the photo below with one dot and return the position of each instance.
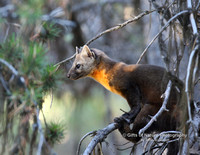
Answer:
(99, 137)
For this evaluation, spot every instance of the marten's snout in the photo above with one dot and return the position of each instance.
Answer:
(71, 75)
(68, 75)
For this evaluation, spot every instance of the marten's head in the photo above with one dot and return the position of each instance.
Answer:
(84, 64)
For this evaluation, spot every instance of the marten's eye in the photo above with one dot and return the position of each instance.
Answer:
(78, 66)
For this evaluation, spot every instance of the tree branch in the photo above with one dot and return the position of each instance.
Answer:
(161, 110)
(162, 29)
(192, 20)
(12, 69)
(65, 60)
(99, 137)
(85, 136)
(119, 26)
(189, 78)
(42, 139)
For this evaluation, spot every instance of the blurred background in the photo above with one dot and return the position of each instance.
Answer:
(59, 26)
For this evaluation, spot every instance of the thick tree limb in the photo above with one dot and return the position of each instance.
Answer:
(161, 110)
(85, 136)
(99, 137)
(162, 29)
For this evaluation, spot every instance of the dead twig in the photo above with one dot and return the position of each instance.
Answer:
(7, 31)
(161, 110)
(195, 70)
(119, 26)
(80, 142)
(99, 137)
(34, 135)
(162, 29)
(192, 20)
(42, 140)
(189, 79)
(65, 60)
(197, 81)
(161, 141)
(51, 98)
(121, 144)
(126, 148)
(12, 69)
(152, 148)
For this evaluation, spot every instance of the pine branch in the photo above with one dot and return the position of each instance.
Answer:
(12, 69)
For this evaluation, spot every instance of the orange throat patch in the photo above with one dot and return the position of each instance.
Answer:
(103, 78)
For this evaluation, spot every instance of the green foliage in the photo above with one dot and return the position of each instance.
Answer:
(55, 132)
(34, 59)
(11, 50)
(49, 31)
(31, 61)
(49, 78)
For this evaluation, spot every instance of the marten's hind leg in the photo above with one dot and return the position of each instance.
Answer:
(130, 130)
(164, 123)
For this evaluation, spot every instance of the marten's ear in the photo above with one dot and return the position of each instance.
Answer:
(87, 51)
(77, 50)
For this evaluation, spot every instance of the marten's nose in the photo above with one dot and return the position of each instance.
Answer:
(68, 75)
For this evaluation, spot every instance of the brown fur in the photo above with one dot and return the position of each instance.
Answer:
(141, 85)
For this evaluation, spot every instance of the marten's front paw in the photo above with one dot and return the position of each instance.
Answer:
(128, 117)
(121, 119)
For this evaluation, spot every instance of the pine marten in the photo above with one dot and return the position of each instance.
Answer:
(141, 85)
